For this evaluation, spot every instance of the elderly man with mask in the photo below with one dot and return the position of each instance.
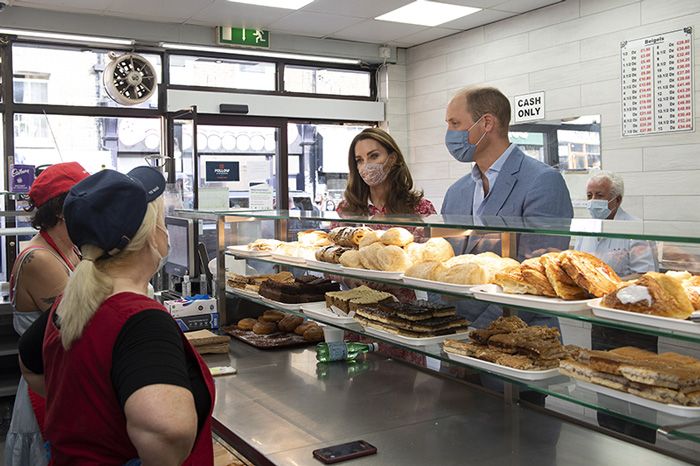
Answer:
(627, 257)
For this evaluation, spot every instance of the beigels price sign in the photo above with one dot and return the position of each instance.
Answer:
(657, 83)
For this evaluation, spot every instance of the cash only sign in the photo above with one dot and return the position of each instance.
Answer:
(528, 107)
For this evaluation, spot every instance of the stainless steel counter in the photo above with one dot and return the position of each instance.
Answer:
(277, 409)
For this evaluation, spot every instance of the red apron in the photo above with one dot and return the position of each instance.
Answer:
(85, 424)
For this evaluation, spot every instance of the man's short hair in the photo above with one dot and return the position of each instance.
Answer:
(482, 100)
(617, 184)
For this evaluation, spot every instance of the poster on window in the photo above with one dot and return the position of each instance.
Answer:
(657, 83)
(222, 171)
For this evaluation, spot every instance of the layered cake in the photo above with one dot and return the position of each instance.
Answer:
(304, 289)
(351, 300)
(418, 310)
(253, 282)
(434, 320)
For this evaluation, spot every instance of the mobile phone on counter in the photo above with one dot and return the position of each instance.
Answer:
(344, 452)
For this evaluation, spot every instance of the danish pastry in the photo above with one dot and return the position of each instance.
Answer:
(589, 272)
(653, 293)
(562, 284)
(313, 238)
(397, 236)
(348, 237)
(534, 273)
(514, 282)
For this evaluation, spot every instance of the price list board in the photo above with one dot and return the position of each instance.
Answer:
(657, 83)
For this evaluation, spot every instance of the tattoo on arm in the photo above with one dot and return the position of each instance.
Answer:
(28, 259)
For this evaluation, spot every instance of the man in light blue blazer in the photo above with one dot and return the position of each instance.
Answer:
(503, 182)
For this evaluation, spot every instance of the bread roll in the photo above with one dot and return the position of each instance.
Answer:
(437, 249)
(469, 273)
(392, 259)
(369, 238)
(368, 256)
(461, 259)
(247, 323)
(428, 270)
(351, 258)
(289, 323)
(415, 252)
(397, 237)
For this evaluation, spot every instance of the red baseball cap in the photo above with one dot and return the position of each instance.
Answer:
(56, 180)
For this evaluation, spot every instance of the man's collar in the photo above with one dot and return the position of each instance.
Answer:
(496, 166)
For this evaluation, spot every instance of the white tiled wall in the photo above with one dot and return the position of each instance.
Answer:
(571, 51)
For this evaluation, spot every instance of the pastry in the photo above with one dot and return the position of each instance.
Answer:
(431, 325)
(534, 273)
(305, 289)
(264, 245)
(461, 259)
(301, 328)
(469, 273)
(414, 251)
(289, 323)
(692, 289)
(561, 283)
(314, 334)
(589, 272)
(247, 323)
(514, 282)
(370, 237)
(396, 236)
(252, 282)
(264, 328)
(290, 249)
(653, 293)
(429, 270)
(392, 259)
(437, 249)
(348, 237)
(351, 259)
(330, 254)
(272, 316)
(369, 256)
(313, 238)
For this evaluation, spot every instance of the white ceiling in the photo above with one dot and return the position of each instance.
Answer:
(335, 19)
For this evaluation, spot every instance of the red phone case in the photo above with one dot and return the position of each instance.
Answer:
(328, 456)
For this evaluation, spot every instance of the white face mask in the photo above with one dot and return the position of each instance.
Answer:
(373, 173)
(163, 259)
(598, 208)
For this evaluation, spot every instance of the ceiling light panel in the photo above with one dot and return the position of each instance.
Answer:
(427, 13)
(288, 4)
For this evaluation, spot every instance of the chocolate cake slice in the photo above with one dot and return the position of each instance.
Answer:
(419, 310)
(304, 289)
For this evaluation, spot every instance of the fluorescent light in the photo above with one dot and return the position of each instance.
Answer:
(260, 53)
(426, 13)
(288, 4)
(66, 37)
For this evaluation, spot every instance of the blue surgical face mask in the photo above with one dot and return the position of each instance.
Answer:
(598, 208)
(163, 259)
(458, 144)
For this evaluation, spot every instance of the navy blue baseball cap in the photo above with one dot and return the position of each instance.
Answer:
(106, 209)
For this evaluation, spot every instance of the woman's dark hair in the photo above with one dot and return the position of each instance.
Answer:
(50, 212)
(403, 199)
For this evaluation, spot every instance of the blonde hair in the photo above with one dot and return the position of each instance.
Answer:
(91, 282)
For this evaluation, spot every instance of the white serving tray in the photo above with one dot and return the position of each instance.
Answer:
(288, 259)
(465, 290)
(676, 410)
(365, 273)
(504, 370)
(327, 266)
(495, 294)
(415, 341)
(320, 311)
(666, 323)
(243, 251)
(285, 306)
(242, 292)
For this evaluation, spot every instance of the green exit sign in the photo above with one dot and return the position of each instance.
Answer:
(241, 36)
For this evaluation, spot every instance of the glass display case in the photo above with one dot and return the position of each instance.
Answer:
(654, 393)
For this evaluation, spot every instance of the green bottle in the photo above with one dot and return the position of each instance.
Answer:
(339, 351)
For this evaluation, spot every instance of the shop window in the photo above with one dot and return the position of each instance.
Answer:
(71, 76)
(318, 164)
(222, 72)
(317, 80)
(103, 142)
